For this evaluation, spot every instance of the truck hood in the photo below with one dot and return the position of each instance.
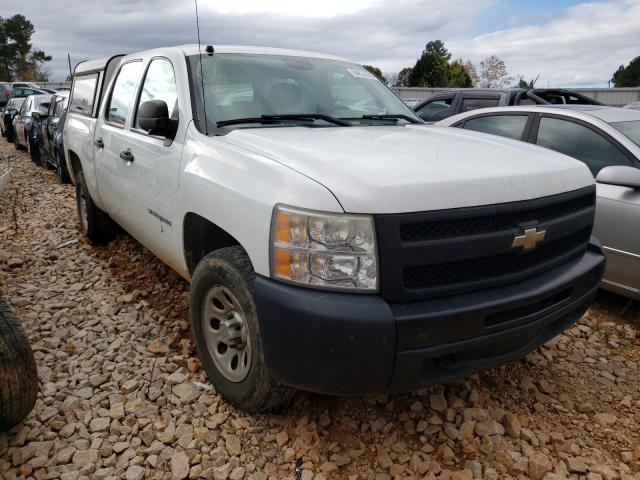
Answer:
(395, 169)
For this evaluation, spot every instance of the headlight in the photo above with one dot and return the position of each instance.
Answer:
(324, 249)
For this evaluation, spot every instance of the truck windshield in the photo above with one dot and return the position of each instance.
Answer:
(631, 130)
(250, 91)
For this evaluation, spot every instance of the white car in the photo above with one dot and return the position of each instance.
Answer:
(333, 241)
(607, 140)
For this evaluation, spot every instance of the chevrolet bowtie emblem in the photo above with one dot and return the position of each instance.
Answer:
(530, 239)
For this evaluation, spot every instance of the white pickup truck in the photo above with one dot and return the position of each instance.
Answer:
(333, 242)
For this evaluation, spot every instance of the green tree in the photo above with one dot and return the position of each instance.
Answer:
(376, 71)
(403, 77)
(457, 76)
(432, 68)
(18, 58)
(628, 76)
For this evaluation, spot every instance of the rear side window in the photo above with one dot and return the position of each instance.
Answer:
(83, 93)
(160, 84)
(122, 94)
(436, 110)
(510, 126)
(475, 103)
(579, 142)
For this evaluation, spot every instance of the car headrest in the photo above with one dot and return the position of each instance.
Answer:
(284, 96)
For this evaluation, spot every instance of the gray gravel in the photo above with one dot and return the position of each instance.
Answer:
(123, 396)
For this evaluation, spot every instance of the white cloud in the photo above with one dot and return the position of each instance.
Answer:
(325, 8)
(583, 45)
(579, 45)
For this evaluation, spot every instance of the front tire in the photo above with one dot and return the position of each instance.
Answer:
(95, 224)
(19, 385)
(225, 326)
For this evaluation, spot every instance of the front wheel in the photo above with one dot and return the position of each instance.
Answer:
(95, 224)
(19, 385)
(224, 322)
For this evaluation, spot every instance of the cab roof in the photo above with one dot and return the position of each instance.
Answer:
(194, 49)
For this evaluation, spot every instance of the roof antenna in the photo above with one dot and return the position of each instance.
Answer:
(210, 52)
(533, 82)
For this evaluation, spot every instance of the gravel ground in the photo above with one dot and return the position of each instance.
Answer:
(123, 395)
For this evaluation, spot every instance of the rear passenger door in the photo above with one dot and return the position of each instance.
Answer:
(142, 170)
(475, 101)
(112, 140)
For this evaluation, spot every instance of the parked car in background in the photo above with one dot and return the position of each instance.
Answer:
(446, 104)
(26, 91)
(23, 122)
(50, 141)
(9, 112)
(634, 106)
(6, 92)
(25, 85)
(358, 250)
(411, 102)
(49, 90)
(602, 137)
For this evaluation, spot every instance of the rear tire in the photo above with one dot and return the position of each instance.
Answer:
(221, 292)
(19, 385)
(61, 168)
(95, 224)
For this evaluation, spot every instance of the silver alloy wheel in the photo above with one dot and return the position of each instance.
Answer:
(226, 333)
(84, 217)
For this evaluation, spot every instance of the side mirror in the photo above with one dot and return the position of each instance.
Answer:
(620, 175)
(153, 117)
(35, 114)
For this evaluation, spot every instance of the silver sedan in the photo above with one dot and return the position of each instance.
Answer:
(607, 140)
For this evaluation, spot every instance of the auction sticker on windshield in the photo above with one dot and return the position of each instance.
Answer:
(361, 73)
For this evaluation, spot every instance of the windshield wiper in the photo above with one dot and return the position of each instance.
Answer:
(391, 116)
(279, 118)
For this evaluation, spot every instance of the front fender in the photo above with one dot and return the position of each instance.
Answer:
(237, 189)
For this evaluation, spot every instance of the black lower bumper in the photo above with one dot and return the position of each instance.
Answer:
(346, 343)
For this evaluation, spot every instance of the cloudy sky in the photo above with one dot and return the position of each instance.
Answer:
(567, 42)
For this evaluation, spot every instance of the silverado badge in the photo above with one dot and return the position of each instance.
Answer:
(530, 239)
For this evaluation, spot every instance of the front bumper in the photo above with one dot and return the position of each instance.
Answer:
(345, 343)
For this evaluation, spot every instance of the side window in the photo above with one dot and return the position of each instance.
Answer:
(579, 142)
(475, 103)
(83, 93)
(160, 84)
(511, 126)
(123, 89)
(436, 110)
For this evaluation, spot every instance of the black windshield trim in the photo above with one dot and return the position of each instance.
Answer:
(284, 117)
